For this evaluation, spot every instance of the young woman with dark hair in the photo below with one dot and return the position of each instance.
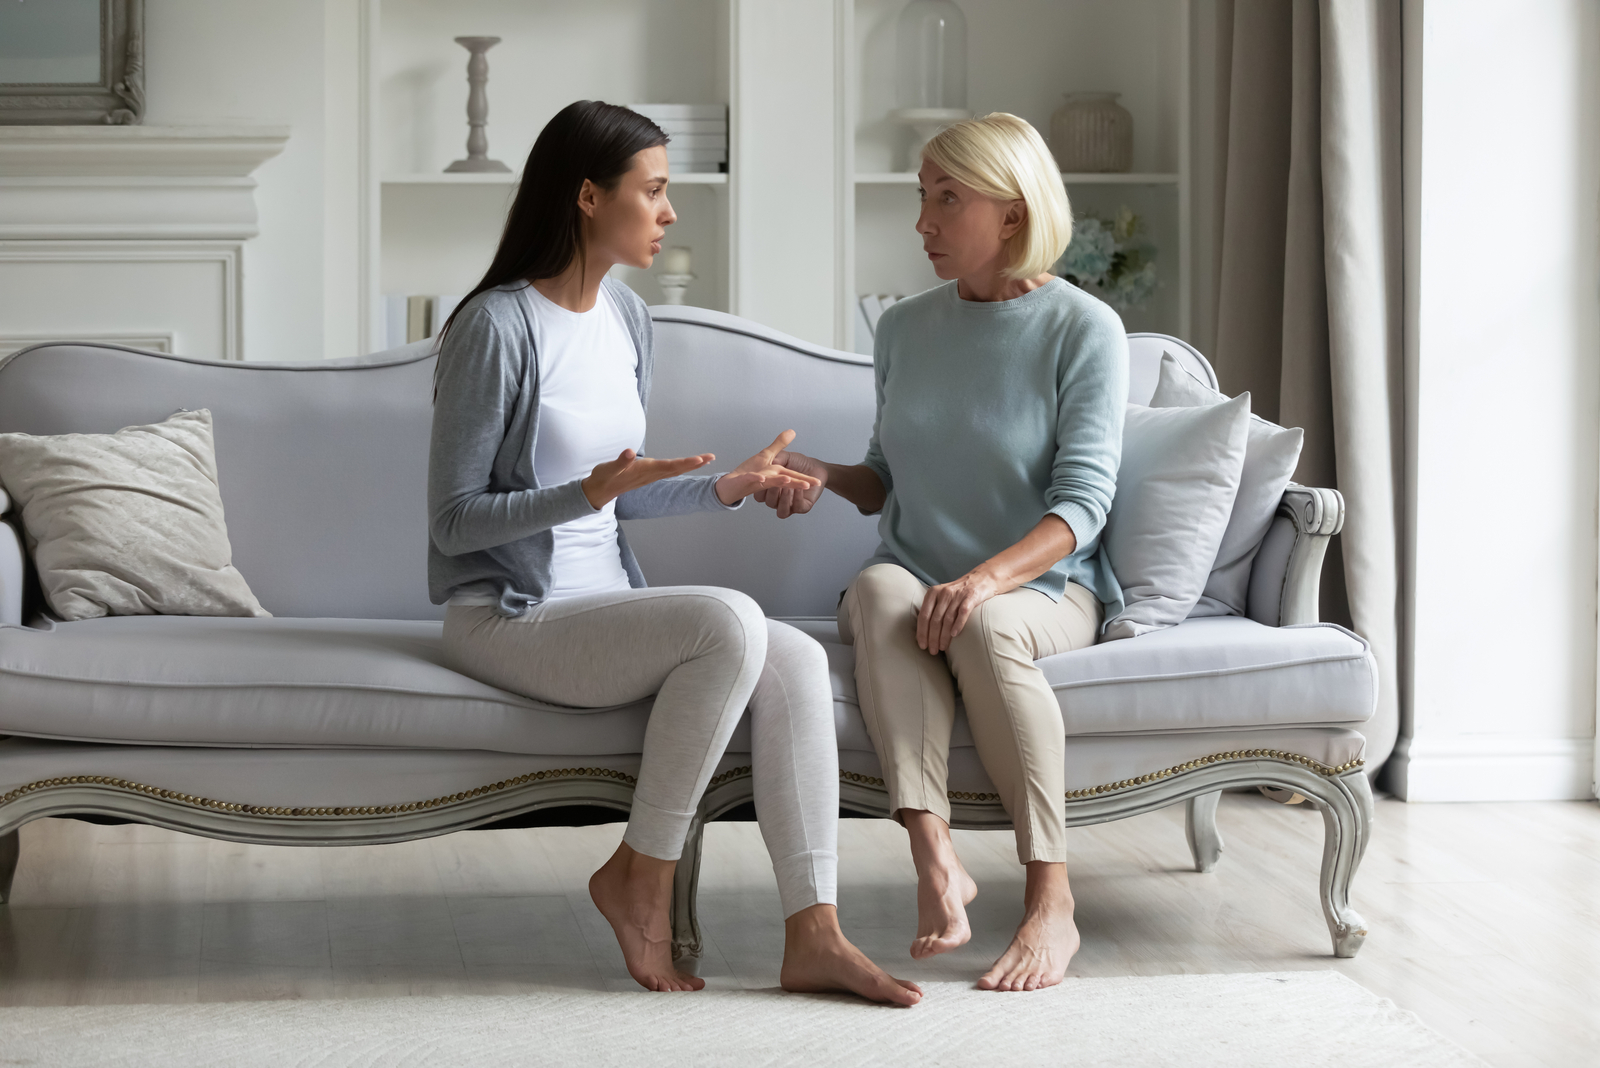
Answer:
(539, 412)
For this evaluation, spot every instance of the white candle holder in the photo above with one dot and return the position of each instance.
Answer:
(673, 286)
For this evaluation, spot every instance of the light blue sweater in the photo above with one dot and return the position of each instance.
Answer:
(991, 416)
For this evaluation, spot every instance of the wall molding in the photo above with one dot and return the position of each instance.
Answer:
(132, 182)
(133, 339)
(227, 255)
(1492, 768)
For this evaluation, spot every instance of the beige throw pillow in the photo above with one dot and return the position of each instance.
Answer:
(128, 523)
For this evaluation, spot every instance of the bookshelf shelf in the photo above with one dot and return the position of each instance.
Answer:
(910, 178)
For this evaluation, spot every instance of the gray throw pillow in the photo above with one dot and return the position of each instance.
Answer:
(1270, 455)
(1175, 489)
(127, 523)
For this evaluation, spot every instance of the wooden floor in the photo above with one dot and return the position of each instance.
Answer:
(1484, 919)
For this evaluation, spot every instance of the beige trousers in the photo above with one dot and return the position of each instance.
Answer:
(908, 697)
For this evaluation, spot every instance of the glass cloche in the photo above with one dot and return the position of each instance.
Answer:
(931, 56)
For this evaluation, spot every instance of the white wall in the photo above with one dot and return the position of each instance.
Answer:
(1505, 325)
(232, 62)
(785, 152)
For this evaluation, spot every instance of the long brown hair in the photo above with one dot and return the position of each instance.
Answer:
(587, 139)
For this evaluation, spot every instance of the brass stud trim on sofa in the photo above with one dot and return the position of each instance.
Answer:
(1189, 765)
(348, 811)
(343, 811)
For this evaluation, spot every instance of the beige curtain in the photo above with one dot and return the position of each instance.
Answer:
(1309, 298)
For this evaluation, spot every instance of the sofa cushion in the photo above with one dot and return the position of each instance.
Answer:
(1207, 674)
(279, 682)
(176, 680)
(1215, 673)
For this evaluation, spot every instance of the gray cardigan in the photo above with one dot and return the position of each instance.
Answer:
(489, 520)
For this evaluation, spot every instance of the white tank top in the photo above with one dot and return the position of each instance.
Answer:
(589, 411)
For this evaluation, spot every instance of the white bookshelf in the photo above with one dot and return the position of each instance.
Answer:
(686, 178)
(1022, 55)
(817, 206)
(432, 232)
(908, 178)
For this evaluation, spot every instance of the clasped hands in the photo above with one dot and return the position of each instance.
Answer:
(629, 471)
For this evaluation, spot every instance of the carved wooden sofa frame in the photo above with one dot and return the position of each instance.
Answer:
(1341, 793)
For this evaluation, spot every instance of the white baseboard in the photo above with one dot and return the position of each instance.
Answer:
(1492, 768)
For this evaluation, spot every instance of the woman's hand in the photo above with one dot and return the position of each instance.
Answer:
(765, 472)
(946, 609)
(795, 500)
(629, 471)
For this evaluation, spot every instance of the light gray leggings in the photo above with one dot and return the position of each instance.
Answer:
(706, 653)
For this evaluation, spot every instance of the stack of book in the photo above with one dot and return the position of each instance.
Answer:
(413, 318)
(698, 132)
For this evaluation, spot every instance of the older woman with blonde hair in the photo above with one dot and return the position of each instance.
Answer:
(992, 464)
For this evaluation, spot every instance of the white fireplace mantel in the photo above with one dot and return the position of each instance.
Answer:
(98, 183)
(152, 219)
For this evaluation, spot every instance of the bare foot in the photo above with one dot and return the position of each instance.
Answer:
(634, 893)
(944, 889)
(818, 958)
(1046, 939)
(943, 894)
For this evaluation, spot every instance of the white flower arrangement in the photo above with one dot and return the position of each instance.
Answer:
(1111, 259)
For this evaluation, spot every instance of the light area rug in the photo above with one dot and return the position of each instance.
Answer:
(1301, 1019)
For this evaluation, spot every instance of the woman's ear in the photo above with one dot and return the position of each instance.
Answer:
(588, 198)
(1016, 214)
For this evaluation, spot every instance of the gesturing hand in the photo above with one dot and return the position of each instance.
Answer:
(795, 500)
(946, 609)
(765, 473)
(629, 471)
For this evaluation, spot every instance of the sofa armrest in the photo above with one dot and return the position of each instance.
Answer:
(1287, 575)
(12, 572)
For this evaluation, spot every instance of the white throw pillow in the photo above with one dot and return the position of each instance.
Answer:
(1175, 489)
(127, 523)
(1270, 455)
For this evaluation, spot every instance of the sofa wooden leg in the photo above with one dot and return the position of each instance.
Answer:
(1200, 824)
(1347, 815)
(10, 851)
(685, 906)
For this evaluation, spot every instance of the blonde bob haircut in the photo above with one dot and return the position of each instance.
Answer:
(1003, 157)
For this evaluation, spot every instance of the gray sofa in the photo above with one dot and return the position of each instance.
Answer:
(336, 721)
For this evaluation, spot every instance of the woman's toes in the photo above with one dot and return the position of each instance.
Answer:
(898, 992)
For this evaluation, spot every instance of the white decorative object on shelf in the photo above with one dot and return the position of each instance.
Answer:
(673, 286)
(675, 260)
(477, 108)
(930, 64)
(674, 279)
(1092, 133)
